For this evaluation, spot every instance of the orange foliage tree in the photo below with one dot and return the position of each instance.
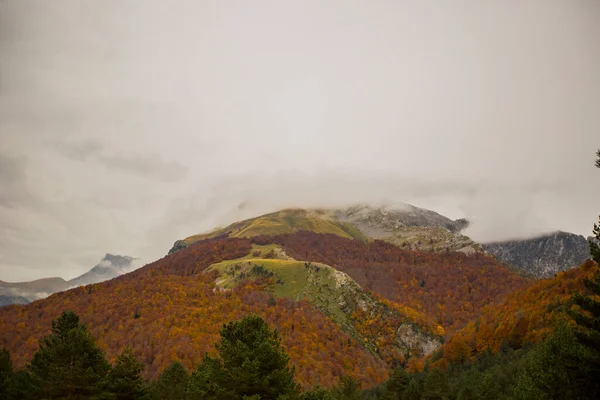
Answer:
(171, 310)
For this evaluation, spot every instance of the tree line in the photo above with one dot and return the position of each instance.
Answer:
(252, 363)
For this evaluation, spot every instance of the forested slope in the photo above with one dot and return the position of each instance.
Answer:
(170, 310)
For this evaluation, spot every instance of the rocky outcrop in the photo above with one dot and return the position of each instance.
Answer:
(410, 227)
(178, 245)
(390, 219)
(542, 256)
(410, 338)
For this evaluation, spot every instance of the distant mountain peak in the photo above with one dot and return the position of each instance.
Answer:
(116, 262)
(110, 266)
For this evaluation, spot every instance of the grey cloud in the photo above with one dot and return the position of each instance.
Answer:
(13, 181)
(80, 151)
(145, 166)
(150, 166)
(12, 169)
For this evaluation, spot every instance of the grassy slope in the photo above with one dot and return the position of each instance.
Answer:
(285, 221)
(294, 280)
(327, 289)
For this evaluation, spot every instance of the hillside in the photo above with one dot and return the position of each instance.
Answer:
(24, 292)
(411, 227)
(543, 256)
(527, 316)
(343, 306)
(451, 288)
(393, 337)
(170, 309)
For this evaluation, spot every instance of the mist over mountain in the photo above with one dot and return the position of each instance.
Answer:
(109, 267)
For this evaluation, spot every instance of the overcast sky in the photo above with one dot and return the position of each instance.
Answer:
(125, 125)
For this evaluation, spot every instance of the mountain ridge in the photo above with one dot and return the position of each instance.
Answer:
(406, 225)
(109, 267)
(544, 255)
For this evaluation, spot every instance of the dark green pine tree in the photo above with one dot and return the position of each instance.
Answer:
(20, 386)
(209, 381)
(588, 314)
(556, 369)
(595, 244)
(489, 387)
(68, 364)
(349, 389)
(124, 380)
(413, 391)
(252, 361)
(435, 386)
(317, 393)
(6, 373)
(397, 384)
(172, 384)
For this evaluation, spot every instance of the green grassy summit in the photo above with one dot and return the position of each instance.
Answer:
(284, 221)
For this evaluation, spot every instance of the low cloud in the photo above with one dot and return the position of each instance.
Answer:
(147, 166)
(12, 180)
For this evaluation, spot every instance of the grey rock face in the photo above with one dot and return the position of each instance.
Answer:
(178, 245)
(543, 256)
(411, 227)
(390, 219)
(409, 337)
